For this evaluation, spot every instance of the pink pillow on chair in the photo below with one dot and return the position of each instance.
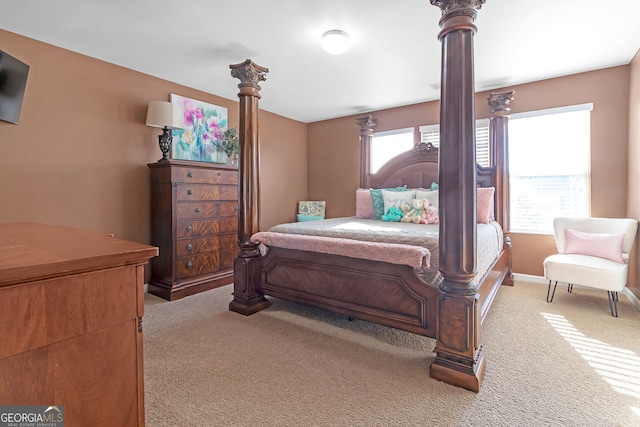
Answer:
(607, 246)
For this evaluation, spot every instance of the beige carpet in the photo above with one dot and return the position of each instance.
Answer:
(568, 363)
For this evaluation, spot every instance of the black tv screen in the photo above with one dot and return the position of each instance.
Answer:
(13, 80)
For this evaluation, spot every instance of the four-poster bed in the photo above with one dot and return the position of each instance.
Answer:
(448, 306)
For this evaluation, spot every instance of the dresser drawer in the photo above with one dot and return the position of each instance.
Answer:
(190, 229)
(204, 210)
(203, 176)
(203, 245)
(205, 263)
(190, 192)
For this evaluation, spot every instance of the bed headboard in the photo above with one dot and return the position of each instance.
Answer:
(414, 168)
(418, 168)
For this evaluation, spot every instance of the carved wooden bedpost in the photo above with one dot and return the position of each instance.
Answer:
(459, 358)
(247, 299)
(499, 140)
(366, 135)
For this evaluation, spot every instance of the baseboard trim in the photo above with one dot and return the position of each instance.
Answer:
(529, 278)
(146, 288)
(633, 299)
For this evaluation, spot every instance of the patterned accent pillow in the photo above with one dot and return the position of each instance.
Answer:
(311, 208)
(378, 203)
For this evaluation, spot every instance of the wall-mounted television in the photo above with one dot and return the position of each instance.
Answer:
(13, 81)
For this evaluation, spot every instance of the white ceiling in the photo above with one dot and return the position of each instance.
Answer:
(394, 57)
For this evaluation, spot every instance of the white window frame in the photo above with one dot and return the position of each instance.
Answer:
(541, 201)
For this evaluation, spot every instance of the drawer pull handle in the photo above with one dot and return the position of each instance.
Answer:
(189, 228)
(197, 210)
(189, 264)
(189, 246)
(189, 192)
(235, 209)
(189, 174)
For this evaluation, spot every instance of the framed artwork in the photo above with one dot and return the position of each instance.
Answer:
(204, 127)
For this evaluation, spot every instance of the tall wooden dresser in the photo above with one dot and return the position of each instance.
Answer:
(71, 307)
(194, 223)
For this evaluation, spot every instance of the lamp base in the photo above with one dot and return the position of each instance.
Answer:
(165, 141)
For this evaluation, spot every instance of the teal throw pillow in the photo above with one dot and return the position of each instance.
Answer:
(378, 201)
(304, 218)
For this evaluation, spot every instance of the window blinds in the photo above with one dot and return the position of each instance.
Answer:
(431, 133)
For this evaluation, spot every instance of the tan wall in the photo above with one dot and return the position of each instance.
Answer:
(78, 156)
(283, 168)
(633, 196)
(334, 148)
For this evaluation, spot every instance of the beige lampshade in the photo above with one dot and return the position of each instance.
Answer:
(164, 113)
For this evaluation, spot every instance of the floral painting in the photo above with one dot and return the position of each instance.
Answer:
(204, 127)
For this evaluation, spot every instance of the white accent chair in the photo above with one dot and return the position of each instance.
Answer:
(587, 270)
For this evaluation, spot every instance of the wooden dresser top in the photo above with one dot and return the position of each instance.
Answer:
(32, 251)
(191, 164)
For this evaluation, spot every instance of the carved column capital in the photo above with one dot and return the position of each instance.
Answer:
(500, 103)
(454, 5)
(366, 123)
(249, 74)
(457, 15)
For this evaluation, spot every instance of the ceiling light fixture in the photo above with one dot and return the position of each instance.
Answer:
(335, 42)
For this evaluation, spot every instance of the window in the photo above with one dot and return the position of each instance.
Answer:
(387, 145)
(548, 167)
(431, 134)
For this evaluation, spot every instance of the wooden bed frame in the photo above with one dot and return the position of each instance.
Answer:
(451, 310)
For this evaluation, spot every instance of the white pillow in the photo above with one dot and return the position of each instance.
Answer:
(397, 198)
(431, 196)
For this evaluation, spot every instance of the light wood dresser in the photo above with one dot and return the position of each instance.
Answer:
(194, 223)
(71, 304)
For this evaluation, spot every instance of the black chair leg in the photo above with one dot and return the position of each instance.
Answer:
(570, 288)
(613, 302)
(549, 290)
